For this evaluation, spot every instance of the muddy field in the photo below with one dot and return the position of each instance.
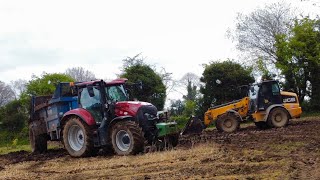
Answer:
(292, 152)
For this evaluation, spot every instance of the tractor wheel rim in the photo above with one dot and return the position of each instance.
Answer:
(123, 140)
(76, 137)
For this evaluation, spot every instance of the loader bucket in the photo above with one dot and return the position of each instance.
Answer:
(193, 126)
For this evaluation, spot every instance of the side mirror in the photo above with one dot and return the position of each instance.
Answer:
(90, 91)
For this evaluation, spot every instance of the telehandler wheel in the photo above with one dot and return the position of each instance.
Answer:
(78, 138)
(38, 142)
(278, 117)
(228, 123)
(127, 138)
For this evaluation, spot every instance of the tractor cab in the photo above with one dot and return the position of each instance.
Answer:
(264, 94)
(97, 96)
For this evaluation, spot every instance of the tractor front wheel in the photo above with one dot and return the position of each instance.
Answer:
(278, 117)
(78, 138)
(227, 123)
(38, 142)
(127, 138)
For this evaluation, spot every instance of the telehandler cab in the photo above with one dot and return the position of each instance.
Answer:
(265, 104)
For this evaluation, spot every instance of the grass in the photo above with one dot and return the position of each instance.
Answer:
(25, 147)
(13, 141)
(311, 114)
(9, 149)
(202, 161)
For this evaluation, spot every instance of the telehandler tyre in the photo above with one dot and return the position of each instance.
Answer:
(127, 138)
(227, 123)
(38, 142)
(278, 117)
(78, 138)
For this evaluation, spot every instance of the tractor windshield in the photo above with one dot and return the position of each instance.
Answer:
(117, 93)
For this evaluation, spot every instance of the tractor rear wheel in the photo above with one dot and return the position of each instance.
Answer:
(127, 138)
(38, 142)
(278, 117)
(78, 138)
(228, 123)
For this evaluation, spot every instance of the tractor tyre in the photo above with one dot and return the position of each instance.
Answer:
(78, 138)
(38, 142)
(261, 125)
(278, 117)
(228, 123)
(127, 138)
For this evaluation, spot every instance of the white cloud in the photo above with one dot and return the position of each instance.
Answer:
(180, 35)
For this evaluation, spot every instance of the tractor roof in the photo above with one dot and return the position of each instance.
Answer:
(110, 83)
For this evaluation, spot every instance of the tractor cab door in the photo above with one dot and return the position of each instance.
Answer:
(90, 99)
(253, 96)
(269, 94)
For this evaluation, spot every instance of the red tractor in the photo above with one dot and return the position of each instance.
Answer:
(88, 116)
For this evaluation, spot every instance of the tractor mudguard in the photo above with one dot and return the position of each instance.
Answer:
(82, 113)
(272, 107)
(119, 118)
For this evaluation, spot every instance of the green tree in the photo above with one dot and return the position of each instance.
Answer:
(189, 109)
(191, 92)
(299, 59)
(176, 107)
(46, 83)
(13, 116)
(255, 35)
(221, 81)
(153, 89)
(263, 69)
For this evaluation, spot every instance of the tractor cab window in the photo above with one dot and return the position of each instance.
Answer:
(269, 94)
(253, 96)
(253, 93)
(86, 101)
(92, 103)
(275, 89)
(117, 93)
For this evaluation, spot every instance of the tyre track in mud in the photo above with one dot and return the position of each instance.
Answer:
(302, 133)
(296, 146)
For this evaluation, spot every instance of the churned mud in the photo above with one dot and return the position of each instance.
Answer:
(291, 152)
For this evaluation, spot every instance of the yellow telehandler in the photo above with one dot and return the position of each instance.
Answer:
(265, 104)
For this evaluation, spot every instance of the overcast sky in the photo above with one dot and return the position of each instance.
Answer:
(179, 35)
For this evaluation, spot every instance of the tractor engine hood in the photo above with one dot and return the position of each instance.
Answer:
(129, 108)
